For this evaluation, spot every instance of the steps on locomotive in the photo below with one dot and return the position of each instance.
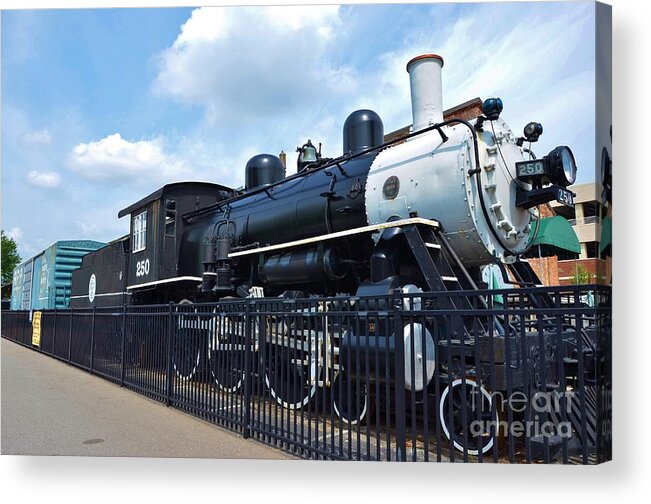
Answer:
(425, 244)
(444, 272)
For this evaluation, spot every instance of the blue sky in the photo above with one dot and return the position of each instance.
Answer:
(102, 106)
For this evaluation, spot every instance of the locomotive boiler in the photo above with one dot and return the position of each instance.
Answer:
(423, 212)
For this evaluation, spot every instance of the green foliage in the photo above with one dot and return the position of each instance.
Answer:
(581, 276)
(10, 257)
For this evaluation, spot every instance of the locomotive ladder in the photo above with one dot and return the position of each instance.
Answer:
(443, 271)
(439, 264)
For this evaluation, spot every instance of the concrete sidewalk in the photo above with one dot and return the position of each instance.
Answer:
(50, 408)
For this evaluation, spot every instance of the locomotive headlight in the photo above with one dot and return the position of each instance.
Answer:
(549, 177)
(561, 166)
(558, 168)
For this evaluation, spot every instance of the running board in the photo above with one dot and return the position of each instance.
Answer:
(340, 234)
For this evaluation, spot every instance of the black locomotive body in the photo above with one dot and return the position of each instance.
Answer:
(317, 203)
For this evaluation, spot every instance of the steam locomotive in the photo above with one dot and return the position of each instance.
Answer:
(423, 212)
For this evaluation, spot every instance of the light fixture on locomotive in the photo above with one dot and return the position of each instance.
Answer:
(549, 177)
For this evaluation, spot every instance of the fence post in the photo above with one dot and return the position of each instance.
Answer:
(92, 341)
(401, 410)
(54, 332)
(170, 369)
(248, 345)
(22, 332)
(124, 342)
(40, 343)
(70, 334)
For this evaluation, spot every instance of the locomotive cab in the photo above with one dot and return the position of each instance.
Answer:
(155, 229)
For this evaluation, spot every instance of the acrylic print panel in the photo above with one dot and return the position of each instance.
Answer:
(356, 232)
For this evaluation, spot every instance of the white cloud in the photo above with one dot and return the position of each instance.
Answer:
(114, 158)
(42, 137)
(252, 62)
(15, 232)
(293, 18)
(204, 25)
(88, 227)
(46, 180)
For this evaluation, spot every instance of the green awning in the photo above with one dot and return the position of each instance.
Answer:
(606, 234)
(556, 231)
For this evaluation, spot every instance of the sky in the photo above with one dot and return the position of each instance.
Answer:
(100, 107)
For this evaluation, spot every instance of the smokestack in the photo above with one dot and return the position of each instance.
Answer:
(426, 90)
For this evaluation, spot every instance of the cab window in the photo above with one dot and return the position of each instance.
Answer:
(140, 232)
(170, 217)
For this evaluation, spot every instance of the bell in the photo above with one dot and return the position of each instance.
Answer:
(309, 153)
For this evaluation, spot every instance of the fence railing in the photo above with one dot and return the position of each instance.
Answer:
(515, 375)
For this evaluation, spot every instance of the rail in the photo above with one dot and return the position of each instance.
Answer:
(406, 377)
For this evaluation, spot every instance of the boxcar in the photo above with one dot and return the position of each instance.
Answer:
(45, 280)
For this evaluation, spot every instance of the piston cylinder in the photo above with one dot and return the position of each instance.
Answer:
(375, 356)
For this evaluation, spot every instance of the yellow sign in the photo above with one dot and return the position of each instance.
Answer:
(36, 328)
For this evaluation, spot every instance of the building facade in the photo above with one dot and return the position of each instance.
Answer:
(587, 218)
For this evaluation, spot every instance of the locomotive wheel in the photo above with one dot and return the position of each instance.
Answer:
(187, 356)
(186, 347)
(468, 435)
(291, 374)
(350, 399)
(226, 353)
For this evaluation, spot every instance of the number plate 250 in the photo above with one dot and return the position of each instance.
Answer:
(565, 197)
(142, 268)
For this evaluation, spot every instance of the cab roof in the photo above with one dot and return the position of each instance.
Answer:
(158, 194)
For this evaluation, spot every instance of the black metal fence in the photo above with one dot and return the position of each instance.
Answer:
(516, 375)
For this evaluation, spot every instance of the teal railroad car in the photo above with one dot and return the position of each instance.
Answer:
(44, 281)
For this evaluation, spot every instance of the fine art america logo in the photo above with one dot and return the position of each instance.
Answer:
(540, 415)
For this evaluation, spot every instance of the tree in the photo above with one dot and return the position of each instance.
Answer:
(10, 257)
(582, 276)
